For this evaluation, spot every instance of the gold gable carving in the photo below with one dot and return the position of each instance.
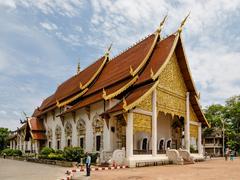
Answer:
(142, 123)
(193, 131)
(193, 116)
(171, 90)
(146, 104)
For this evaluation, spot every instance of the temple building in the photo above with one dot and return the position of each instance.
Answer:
(140, 106)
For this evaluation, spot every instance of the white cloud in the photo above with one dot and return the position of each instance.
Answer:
(71, 39)
(64, 7)
(210, 37)
(49, 26)
(9, 4)
(215, 65)
(2, 112)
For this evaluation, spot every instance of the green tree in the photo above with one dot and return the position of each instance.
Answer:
(214, 114)
(232, 115)
(4, 133)
(229, 114)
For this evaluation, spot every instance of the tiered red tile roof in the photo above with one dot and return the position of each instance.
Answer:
(36, 128)
(128, 76)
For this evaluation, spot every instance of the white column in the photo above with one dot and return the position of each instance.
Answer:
(200, 138)
(187, 124)
(107, 136)
(154, 123)
(129, 135)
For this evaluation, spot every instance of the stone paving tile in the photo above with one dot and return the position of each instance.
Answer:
(209, 170)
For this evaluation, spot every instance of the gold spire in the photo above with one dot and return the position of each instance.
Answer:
(108, 50)
(78, 68)
(182, 23)
(159, 29)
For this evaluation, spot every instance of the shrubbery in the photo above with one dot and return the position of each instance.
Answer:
(11, 152)
(73, 153)
(69, 154)
(55, 156)
(47, 151)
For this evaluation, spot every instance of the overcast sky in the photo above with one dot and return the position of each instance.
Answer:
(42, 41)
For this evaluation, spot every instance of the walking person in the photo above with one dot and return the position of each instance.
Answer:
(226, 153)
(88, 164)
(232, 155)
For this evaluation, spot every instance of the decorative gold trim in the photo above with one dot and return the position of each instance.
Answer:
(163, 89)
(104, 94)
(95, 75)
(134, 72)
(140, 99)
(119, 91)
(80, 85)
(156, 75)
(131, 70)
(202, 112)
(152, 73)
(71, 99)
(124, 102)
(78, 68)
(108, 50)
(30, 126)
(188, 68)
(159, 29)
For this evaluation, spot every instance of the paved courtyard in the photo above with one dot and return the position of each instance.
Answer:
(208, 170)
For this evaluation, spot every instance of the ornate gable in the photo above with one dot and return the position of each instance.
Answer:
(171, 90)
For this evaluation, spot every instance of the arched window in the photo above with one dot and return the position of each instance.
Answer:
(49, 137)
(97, 125)
(81, 132)
(144, 144)
(58, 134)
(161, 145)
(169, 144)
(68, 133)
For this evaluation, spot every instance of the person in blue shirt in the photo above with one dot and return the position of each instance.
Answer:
(88, 164)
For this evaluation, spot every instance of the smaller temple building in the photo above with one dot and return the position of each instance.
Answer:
(213, 143)
(140, 106)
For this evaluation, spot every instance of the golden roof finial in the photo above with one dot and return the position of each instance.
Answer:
(182, 23)
(124, 103)
(80, 85)
(159, 29)
(131, 70)
(152, 73)
(108, 50)
(78, 68)
(104, 93)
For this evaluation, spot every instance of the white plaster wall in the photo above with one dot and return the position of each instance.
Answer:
(113, 135)
(164, 126)
(82, 114)
(137, 138)
(56, 122)
(68, 118)
(97, 109)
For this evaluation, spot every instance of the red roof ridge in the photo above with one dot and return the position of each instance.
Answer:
(129, 47)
